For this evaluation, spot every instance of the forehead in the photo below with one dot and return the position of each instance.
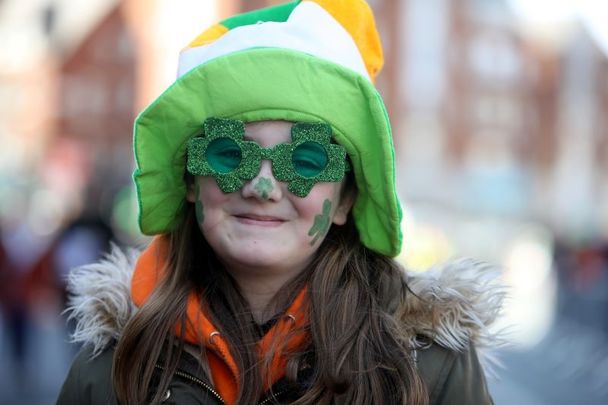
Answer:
(268, 133)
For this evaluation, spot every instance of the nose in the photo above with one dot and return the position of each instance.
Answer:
(264, 186)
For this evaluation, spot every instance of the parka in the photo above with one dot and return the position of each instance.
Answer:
(452, 356)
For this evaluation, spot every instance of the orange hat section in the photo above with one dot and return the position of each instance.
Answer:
(208, 36)
(358, 19)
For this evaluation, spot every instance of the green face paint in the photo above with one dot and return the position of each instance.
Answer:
(223, 152)
(321, 224)
(198, 206)
(264, 187)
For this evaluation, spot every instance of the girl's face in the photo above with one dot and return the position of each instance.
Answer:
(262, 228)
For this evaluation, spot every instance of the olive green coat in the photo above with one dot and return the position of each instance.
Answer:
(466, 292)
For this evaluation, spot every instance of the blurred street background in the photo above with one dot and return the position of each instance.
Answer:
(500, 119)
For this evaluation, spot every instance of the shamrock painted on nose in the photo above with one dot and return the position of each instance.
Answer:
(321, 224)
(264, 187)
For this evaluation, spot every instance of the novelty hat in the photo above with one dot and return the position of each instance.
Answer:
(304, 61)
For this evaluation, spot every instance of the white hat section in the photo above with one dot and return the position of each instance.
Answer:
(309, 29)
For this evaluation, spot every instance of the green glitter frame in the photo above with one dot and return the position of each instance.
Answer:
(280, 155)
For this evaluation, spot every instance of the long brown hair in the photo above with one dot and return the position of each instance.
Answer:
(359, 349)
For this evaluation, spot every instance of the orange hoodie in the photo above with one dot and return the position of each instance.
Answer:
(225, 373)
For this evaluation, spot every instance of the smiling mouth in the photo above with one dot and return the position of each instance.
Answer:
(259, 220)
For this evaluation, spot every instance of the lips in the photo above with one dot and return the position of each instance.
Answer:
(261, 220)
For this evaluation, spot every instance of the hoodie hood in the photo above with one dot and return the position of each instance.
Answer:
(466, 294)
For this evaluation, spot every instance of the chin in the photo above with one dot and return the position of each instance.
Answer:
(254, 259)
(262, 254)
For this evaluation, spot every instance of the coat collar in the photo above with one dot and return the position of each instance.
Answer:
(467, 295)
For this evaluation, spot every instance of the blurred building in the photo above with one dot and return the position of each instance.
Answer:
(494, 121)
(73, 75)
(579, 184)
(486, 118)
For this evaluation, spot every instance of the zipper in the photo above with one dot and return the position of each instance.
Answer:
(213, 392)
(195, 380)
(270, 398)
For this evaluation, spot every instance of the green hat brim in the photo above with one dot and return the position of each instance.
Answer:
(269, 84)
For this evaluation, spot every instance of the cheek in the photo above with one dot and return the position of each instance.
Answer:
(210, 193)
(313, 204)
(209, 201)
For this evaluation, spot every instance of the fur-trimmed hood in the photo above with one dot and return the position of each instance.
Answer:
(466, 294)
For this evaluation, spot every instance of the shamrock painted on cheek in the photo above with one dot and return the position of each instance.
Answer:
(264, 187)
(200, 216)
(321, 224)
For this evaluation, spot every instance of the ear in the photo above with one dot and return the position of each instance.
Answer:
(341, 213)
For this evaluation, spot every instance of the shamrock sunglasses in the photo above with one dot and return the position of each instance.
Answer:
(222, 152)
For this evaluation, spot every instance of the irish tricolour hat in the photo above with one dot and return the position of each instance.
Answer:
(311, 60)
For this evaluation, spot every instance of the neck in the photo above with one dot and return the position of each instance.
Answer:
(259, 287)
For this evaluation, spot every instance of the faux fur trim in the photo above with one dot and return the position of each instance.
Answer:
(454, 304)
(458, 303)
(100, 298)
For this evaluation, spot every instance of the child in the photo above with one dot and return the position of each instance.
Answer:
(267, 172)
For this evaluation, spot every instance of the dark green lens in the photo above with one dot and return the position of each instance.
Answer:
(309, 159)
(223, 155)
